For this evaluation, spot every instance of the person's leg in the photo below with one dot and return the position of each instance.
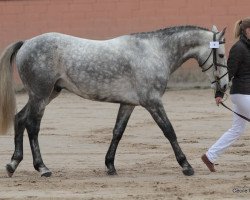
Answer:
(241, 106)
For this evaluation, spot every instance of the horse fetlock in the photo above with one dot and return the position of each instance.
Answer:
(182, 160)
(112, 171)
(188, 170)
(111, 167)
(38, 165)
(17, 157)
(109, 160)
(186, 167)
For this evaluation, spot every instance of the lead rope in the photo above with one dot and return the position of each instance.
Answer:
(242, 116)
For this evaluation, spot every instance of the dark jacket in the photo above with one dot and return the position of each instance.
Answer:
(239, 67)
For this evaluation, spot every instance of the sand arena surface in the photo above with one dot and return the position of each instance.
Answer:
(75, 136)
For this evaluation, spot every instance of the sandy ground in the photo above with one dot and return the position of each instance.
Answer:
(75, 135)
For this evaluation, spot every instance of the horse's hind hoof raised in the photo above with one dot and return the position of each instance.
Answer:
(188, 171)
(9, 169)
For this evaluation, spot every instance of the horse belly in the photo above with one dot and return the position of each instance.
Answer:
(107, 90)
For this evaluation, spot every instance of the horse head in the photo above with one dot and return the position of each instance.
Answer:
(213, 59)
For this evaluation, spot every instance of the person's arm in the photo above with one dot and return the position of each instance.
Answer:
(234, 60)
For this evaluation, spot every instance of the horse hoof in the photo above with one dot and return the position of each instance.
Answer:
(9, 169)
(112, 172)
(45, 172)
(188, 171)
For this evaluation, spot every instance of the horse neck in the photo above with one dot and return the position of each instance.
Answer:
(181, 47)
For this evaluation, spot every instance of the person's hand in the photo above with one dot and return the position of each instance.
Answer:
(218, 100)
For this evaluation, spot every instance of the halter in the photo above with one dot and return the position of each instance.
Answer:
(215, 63)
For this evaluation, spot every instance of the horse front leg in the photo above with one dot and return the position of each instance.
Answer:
(158, 113)
(123, 116)
(20, 120)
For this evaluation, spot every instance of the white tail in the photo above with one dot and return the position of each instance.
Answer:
(7, 94)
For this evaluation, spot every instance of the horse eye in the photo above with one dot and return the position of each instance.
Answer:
(221, 55)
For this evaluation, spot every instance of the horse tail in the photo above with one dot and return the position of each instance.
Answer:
(7, 93)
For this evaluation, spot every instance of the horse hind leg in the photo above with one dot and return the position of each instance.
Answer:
(24, 120)
(19, 126)
(34, 116)
(30, 118)
(36, 111)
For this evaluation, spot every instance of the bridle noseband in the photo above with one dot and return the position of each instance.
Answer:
(215, 63)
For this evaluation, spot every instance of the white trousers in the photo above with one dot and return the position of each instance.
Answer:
(241, 105)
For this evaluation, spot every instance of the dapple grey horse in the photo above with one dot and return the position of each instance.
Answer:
(132, 70)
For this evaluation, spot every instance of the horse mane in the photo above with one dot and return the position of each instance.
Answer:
(169, 31)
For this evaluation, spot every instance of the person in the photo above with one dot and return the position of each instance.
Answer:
(239, 72)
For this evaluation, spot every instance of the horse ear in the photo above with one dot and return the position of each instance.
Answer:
(214, 29)
(222, 33)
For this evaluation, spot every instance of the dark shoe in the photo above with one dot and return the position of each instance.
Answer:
(210, 165)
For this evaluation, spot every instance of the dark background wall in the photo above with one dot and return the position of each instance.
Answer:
(101, 19)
